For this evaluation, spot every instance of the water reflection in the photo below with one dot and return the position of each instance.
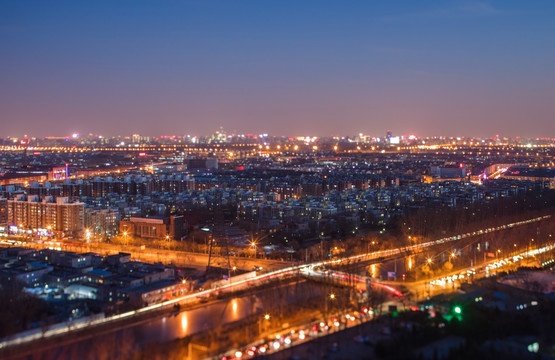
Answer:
(199, 319)
(234, 308)
(374, 270)
(184, 323)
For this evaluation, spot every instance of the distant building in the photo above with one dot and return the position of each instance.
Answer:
(102, 222)
(525, 173)
(154, 228)
(202, 163)
(3, 211)
(449, 171)
(59, 173)
(23, 178)
(43, 190)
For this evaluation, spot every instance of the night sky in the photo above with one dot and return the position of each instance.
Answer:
(292, 68)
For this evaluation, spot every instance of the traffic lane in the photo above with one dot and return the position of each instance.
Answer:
(337, 345)
(178, 258)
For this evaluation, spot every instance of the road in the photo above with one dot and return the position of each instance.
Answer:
(150, 255)
(324, 336)
(435, 284)
(267, 278)
(391, 252)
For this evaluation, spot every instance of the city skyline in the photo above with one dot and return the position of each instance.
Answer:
(223, 135)
(466, 68)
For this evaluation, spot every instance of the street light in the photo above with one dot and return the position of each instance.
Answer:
(530, 246)
(253, 246)
(125, 235)
(331, 297)
(263, 323)
(429, 261)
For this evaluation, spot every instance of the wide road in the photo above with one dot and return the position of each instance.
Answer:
(436, 284)
(391, 252)
(164, 256)
(269, 278)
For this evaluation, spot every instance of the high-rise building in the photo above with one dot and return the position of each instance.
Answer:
(3, 211)
(53, 214)
(102, 222)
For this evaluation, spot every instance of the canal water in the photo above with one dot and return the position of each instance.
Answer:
(122, 342)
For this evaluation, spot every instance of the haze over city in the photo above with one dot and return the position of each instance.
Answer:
(472, 68)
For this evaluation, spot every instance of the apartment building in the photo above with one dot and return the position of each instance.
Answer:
(32, 212)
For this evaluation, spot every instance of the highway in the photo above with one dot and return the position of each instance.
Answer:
(440, 282)
(398, 251)
(313, 330)
(270, 276)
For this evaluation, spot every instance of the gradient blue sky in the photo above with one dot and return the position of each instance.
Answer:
(320, 67)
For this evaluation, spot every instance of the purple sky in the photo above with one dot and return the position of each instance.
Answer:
(284, 67)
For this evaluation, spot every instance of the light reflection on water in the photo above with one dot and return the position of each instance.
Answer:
(196, 320)
(184, 322)
(178, 325)
(234, 307)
